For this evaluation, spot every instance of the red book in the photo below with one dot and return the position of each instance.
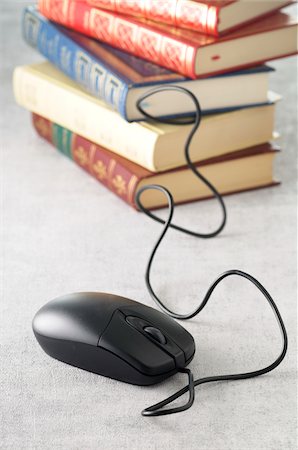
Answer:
(187, 52)
(239, 171)
(212, 17)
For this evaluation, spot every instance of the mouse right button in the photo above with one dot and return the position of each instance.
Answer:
(131, 345)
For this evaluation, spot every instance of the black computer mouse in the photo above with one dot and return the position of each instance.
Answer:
(113, 336)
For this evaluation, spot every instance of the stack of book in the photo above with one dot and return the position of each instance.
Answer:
(103, 55)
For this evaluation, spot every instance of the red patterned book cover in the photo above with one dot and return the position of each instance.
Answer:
(187, 52)
(124, 177)
(198, 16)
(203, 16)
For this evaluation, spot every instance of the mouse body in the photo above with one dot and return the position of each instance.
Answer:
(113, 336)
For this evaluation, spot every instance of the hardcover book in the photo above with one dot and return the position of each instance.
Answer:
(205, 16)
(183, 51)
(244, 170)
(120, 79)
(43, 89)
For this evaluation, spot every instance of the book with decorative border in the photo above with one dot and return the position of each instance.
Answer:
(241, 171)
(120, 79)
(184, 51)
(204, 16)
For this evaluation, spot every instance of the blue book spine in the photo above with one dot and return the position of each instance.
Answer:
(74, 61)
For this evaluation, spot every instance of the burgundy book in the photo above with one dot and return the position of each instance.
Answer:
(212, 17)
(183, 51)
(235, 172)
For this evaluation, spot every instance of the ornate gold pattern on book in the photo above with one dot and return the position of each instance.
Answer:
(100, 170)
(100, 23)
(112, 165)
(82, 67)
(43, 127)
(81, 155)
(131, 188)
(119, 184)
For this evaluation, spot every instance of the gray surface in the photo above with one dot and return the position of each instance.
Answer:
(63, 232)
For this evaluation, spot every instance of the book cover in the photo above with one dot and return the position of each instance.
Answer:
(120, 78)
(124, 178)
(183, 51)
(43, 89)
(203, 16)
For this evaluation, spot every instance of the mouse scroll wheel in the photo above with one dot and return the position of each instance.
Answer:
(156, 334)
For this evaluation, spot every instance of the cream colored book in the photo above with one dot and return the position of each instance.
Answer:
(44, 90)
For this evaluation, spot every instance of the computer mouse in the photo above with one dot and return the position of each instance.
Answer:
(113, 336)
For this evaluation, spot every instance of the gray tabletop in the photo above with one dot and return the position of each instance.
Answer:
(63, 232)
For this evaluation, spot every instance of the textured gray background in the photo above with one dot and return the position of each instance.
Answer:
(63, 232)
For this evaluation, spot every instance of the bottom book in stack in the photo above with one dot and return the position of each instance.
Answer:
(239, 171)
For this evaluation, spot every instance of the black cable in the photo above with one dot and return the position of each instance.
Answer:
(195, 120)
(155, 410)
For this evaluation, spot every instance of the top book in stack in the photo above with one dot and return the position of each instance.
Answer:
(183, 51)
(211, 17)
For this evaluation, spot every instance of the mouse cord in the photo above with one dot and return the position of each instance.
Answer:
(195, 120)
(155, 410)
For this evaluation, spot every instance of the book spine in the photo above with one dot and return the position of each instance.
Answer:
(85, 116)
(124, 33)
(188, 14)
(74, 61)
(95, 160)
